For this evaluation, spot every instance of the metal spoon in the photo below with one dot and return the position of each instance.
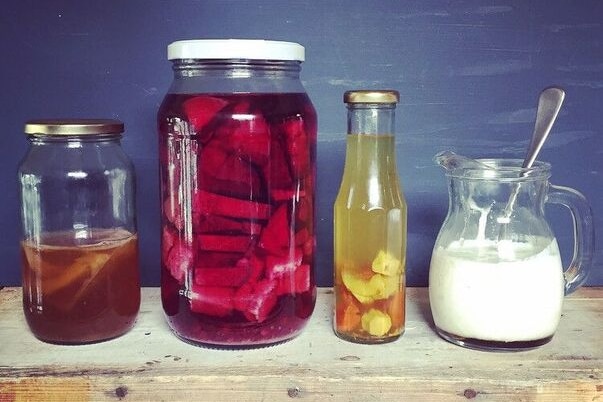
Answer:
(549, 105)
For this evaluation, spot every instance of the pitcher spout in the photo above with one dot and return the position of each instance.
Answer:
(450, 160)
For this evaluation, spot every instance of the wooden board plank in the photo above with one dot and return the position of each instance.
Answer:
(149, 363)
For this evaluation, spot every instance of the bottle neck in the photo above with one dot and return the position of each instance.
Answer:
(370, 175)
(370, 141)
(371, 119)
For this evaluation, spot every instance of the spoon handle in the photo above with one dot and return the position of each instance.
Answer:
(549, 105)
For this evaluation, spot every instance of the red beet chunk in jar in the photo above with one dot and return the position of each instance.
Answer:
(201, 110)
(238, 228)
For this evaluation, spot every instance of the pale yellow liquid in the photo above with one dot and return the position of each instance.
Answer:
(369, 217)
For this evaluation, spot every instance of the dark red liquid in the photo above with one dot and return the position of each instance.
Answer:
(237, 185)
(81, 292)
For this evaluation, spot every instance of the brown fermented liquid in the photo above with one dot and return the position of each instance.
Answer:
(80, 291)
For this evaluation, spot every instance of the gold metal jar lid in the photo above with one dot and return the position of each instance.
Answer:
(73, 127)
(371, 96)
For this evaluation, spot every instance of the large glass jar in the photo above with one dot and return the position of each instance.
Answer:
(79, 249)
(237, 144)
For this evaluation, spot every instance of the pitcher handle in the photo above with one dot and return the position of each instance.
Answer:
(584, 234)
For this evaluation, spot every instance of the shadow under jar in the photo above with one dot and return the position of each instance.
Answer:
(79, 249)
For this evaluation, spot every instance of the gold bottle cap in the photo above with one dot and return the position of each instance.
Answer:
(371, 96)
(73, 127)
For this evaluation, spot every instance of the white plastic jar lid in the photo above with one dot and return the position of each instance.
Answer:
(251, 49)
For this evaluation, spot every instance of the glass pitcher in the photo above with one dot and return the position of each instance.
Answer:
(496, 280)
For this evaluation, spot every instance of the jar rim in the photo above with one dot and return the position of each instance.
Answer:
(507, 170)
(250, 49)
(75, 127)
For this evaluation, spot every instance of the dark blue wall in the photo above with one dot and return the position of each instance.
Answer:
(469, 73)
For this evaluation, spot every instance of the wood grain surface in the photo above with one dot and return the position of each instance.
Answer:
(150, 364)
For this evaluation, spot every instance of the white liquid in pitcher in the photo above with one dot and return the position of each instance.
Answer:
(503, 291)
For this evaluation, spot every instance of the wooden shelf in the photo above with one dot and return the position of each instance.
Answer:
(151, 364)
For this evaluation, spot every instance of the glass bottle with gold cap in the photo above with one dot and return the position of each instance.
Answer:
(79, 249)
(370, 225)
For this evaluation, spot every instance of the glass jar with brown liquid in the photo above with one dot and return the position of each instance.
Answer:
(79, 249)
